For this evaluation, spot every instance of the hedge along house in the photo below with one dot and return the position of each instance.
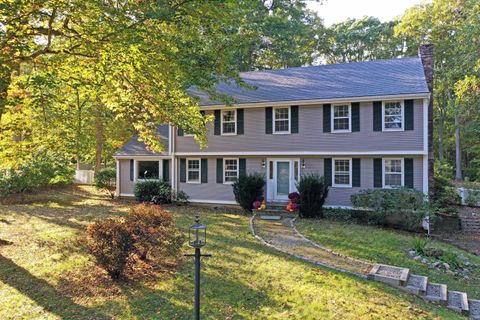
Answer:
(360, 125)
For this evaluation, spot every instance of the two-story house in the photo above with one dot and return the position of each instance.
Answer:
(361, 125)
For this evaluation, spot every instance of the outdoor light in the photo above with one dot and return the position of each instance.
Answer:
(197, 238)
(303, 163)
(197, 235)
(263, 163)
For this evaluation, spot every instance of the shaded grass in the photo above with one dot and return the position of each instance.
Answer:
(385, 246)
(45, 275)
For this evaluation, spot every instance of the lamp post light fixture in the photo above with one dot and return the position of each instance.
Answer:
(197, 238)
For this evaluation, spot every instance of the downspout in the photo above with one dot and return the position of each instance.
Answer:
(171, 147)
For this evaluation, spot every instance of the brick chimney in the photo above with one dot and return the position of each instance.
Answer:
(425, 52)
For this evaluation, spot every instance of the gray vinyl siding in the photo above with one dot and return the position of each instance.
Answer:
(126, 186)
(213, 191)
(311, 136)
(341, 196)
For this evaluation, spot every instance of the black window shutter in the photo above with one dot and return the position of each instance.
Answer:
(327, 171)
(240, 116)
(327, 110)
(408, 114)
(268, 120)
(204, 169)
(183, 170)
(294, 124)
(132, 163)
(355, 116)
(180, 132)
(377, 115)
(217, 123)
(165, 170)
(377, 172)
(356, 169)
(242, 167)
(408, 173)
(219, 170)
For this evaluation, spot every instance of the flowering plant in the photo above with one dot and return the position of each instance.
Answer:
(294, 196)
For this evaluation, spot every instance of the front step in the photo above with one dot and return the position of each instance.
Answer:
(416, 284)
(457, 301)
(436, 292)
(474, 309)
(389, 274)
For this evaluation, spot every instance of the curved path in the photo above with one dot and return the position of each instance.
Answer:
(283, 236)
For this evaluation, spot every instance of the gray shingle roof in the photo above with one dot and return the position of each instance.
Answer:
(357, 79)
(138, 148)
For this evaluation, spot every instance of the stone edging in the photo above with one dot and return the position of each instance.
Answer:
(294, 227)
(252, 228)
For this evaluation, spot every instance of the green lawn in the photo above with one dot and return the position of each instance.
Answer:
(45, 275)
(374, 244)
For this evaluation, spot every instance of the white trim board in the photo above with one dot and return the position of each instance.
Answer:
(127, 195)
(303, 153)
(318, 101)
(143, 157)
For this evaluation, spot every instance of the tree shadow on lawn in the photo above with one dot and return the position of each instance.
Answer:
(43, 293)
(221, 298)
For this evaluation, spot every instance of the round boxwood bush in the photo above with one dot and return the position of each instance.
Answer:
(150, 190)
(247, 189)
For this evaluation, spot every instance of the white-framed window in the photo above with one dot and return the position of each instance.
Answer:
(193, 171)
(393, 118)
(342, 172)
(229, 122)
(342, 118)
(393, 170)
(230, 170)
(281, 120)
(148, 170)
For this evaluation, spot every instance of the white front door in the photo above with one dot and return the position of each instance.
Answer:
(283, 175)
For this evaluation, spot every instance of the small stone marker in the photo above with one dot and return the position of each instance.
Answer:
(389, 274)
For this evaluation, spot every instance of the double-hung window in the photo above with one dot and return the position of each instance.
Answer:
(230, 170)
(148, 170)
(229, 122)
(393, 116)
(341, 119)
(392, 173)
(281, 120)
(193, 170)
(342, 173)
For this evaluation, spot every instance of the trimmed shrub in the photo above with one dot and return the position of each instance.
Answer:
(111, 243)
(313, 192)
(153, 190)
(105, 180)
(247, 189)
(400, 207)
(154, 233)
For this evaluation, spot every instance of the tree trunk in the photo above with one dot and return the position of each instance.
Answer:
(458, 151)
(441, 123)
(99, 135)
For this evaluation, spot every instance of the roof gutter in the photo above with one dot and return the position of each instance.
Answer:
(320, 101)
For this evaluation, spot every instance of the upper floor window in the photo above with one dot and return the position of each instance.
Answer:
(148, 170)
(392, 173)
(229, 122)
(342, 172)
(193, 170)
(341, 118)
(230, 170)
(393, 115)
(281, 120)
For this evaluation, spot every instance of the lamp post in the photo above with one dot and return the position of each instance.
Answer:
(197, 238)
